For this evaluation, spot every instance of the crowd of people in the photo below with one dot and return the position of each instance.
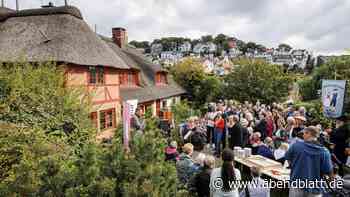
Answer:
(280, 132)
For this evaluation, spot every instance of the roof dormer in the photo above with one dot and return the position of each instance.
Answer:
(161, 78)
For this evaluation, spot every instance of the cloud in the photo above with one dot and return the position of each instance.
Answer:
(319, 25)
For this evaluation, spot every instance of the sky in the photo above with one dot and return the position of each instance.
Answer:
(322, 26)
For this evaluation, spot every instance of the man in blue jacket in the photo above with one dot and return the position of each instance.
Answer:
(308, 160)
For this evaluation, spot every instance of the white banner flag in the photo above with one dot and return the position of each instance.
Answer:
(133, 105)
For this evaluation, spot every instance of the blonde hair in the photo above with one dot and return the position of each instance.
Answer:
(187, 148)
(284, 146)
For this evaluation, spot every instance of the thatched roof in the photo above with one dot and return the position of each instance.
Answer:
(56, 34)
(148, 90)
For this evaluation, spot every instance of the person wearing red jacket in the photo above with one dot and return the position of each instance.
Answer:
(219, 131)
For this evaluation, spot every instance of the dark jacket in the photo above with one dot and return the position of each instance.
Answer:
(262, 128)
(236, 135)
(245, 134)
(199, 183)
(265, 151)
(340, 137)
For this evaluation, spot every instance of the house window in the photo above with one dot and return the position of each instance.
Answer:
(100, 75)
(96, 75)
(107, 119)
(92, 72)
(164, 104)
(161, 78)
(129, 78)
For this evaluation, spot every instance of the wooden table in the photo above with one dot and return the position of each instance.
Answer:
(284, 174)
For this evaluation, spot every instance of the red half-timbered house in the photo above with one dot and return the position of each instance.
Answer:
(60, 34)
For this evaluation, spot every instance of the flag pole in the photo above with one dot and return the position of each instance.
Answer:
(17, 5)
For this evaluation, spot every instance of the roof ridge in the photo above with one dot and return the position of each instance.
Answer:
(71, 10)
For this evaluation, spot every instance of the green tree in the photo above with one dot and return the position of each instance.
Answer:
(200, 86)
(142, 44)
(207, 38)
(256, 79)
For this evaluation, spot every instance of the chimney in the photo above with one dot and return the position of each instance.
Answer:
(120, 36)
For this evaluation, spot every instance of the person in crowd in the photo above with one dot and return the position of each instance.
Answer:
(256, 188)
(261, 126)
(302, 112)
(250, 118)
(290, 127)
(189, 128)
(300, 124)
(280, 135)
(209, 117)
(185, 129)
(228, 174)
(290, 111)
(199, 182)
(184, 165)
(265, 149)
(138, 122)
(245, 132)
(340, 137)
(219, 131)
(255, 141)
(270, 144)
(270, 127)
(235, 131)
(231, 109)
(171, 153)
(296, 134)
(198, 135)
(308, 160)
(280, 153)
